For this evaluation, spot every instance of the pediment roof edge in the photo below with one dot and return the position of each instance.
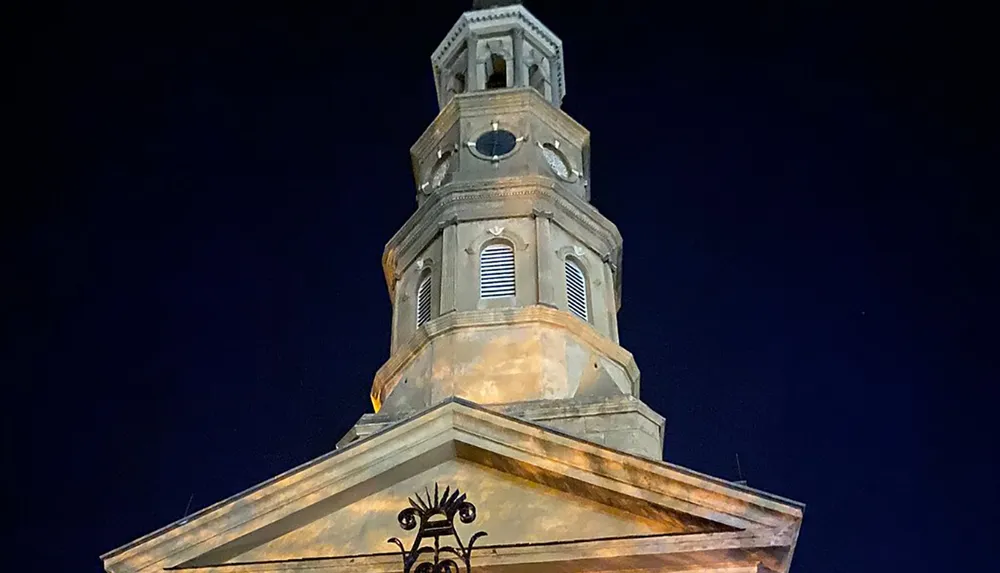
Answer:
(429, 431)
(356, 446)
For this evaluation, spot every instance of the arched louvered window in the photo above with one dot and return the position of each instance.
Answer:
(496, 271)
(424, 300)
(576, 290)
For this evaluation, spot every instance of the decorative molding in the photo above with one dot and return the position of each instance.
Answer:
(494, 233)
(607, 258)
(453, 220)
(573, 215)
(462, 193)
(581, 257)
(534, 411)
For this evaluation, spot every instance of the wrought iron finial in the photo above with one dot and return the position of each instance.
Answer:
(436, 518)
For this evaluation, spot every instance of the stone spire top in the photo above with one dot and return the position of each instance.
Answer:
(499, 45)
(486, 4)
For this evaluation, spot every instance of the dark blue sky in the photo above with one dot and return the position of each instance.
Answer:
(195, 301)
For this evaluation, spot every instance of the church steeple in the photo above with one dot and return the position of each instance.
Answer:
(505, 286)
(505, 282)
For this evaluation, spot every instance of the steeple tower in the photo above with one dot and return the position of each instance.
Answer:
(505, 283)
(505, 382)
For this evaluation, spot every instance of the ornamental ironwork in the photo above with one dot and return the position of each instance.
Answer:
(436, 518)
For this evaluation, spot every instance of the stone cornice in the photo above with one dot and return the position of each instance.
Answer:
(580, 406)
(388, 375)
(598, 232)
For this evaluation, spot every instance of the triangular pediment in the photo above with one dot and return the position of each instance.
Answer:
(509, 508)
(541, 496)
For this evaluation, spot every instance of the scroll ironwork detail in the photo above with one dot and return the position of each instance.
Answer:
(435, 517)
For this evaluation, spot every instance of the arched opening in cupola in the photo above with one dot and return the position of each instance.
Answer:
(496, 72)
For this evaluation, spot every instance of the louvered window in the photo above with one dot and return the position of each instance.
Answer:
(424, 300)
(576, 290)
(496, 271)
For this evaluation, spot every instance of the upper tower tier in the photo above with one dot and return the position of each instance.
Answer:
(500, 46)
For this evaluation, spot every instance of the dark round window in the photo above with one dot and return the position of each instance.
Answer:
(496, 143)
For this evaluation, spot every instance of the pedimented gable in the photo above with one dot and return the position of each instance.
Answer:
(541, 496)
(509, 508)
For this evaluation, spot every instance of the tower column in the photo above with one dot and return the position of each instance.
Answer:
(520, 71)
(473, 78)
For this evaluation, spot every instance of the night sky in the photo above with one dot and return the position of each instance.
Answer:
(194, 300)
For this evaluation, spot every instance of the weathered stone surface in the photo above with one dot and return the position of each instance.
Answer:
(496, 356)
(527, 346)
(509, 508)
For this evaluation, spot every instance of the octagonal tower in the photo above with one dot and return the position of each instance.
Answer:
(505, 283)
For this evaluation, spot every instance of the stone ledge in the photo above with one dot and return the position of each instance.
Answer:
(597, 420)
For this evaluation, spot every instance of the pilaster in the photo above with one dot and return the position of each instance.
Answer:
(520, 71)
(546, 258)
(472, 75)
(449, 274)
(610, 304)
